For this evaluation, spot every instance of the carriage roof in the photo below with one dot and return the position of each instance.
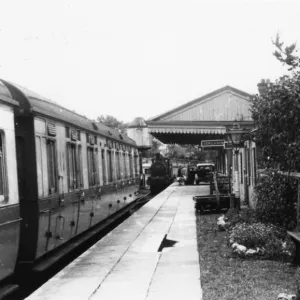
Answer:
(43, 106)
(6, 97)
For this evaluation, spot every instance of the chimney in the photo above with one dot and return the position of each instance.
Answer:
(263, 86)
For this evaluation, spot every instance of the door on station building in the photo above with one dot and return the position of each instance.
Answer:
(246, 174)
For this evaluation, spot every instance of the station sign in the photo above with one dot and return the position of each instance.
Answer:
(212, 143)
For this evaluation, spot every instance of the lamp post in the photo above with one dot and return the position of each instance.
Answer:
(234, 135)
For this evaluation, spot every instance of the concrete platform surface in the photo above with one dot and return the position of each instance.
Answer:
(126, 264)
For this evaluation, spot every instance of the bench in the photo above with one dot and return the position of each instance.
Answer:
(295, 236)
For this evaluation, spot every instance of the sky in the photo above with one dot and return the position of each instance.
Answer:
(139, 58)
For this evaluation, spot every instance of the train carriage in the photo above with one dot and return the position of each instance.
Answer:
(72, 174)
(9, 198)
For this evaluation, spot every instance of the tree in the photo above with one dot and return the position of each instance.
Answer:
(176, 151)
(276, 114)
(286, 55)
(197, 153)
(112, 122)
(192, 152)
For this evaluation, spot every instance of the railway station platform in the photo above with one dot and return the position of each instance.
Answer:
(150, 256)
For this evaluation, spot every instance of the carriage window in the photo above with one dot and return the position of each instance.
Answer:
(110, 166)
(74, 160)
(103, 166)
(3, 182)
(51, 166)
(92, 166)
(67, 132)
(118, 167)
(136, 161)
(121, 158)
(46, 166)
(125, 165)
(130, 165)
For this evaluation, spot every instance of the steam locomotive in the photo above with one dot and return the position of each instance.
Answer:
(160, 174)
(61, 174)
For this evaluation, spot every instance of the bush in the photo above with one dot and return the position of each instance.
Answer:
(273, 241)
(234, 216)
(276, 199)
(298, 283)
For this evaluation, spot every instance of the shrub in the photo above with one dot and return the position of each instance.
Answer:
(276, 199)
(234, 216)
(298, 283)
(272, 240)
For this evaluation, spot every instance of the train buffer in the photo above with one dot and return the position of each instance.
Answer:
(152, 255)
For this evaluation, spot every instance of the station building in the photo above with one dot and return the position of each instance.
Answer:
(206, 121)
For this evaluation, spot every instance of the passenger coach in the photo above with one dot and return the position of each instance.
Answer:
(65, 172)
(9, 198)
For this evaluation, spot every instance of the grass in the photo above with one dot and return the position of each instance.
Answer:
(224, 276)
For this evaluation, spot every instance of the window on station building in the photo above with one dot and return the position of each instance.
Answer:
(3, 179)
(254, 165)
(241, 170)
(74, 162)
(248, 165)
(92, 154)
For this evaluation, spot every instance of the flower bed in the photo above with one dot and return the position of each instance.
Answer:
(261, 239)
(227, 276)
(249, 237)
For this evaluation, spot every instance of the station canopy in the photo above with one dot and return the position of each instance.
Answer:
(205, 118)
